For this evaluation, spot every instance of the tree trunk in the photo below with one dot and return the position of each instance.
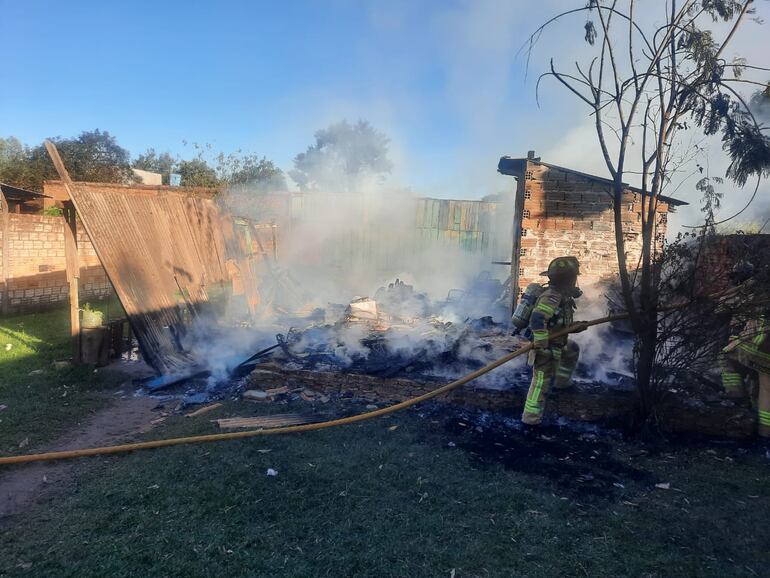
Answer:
(645, 365)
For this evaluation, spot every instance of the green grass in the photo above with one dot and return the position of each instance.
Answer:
(369, 500)
(42, 401)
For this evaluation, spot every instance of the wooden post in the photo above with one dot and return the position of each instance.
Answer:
(73, 275)
(6, 248)
(518, 218)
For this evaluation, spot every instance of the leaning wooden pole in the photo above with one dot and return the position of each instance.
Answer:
(70, 251)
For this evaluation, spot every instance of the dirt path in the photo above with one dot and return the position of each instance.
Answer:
(122, 418)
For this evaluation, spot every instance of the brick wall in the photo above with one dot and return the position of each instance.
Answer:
(36, 274)
(721, 253)
(566, 213)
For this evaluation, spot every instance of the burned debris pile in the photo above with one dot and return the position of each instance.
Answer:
(401, 333)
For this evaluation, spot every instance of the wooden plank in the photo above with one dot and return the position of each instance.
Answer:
(473, 224)
(518, 217)
(419, 213)
(265, 422)
(435, 210)
(456, 213)
(443, 215)
(204, 409)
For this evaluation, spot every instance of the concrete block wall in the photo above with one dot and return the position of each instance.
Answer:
(36, 272)
(565, 213)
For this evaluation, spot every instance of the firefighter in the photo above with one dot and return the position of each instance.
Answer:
(552, 360)
(748, 351)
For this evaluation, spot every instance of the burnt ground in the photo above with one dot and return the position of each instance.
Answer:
(417, 493)
(581, 460)
(585, 461)
(576, 459)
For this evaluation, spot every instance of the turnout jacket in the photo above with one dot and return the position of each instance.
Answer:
(553, 310)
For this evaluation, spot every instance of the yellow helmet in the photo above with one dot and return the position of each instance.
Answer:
(562, 267)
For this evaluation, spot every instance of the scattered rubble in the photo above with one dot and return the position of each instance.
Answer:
(195, 399)
(400, 344)
(313, 396)
(268, 395)
(255, 395)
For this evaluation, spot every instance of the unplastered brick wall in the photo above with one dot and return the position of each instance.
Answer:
(720, 253)
(567, 213)
(36, 272)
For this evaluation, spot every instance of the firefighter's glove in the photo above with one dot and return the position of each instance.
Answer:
(531, 358)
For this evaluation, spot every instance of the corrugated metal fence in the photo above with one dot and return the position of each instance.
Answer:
(170, 256)
(471, 225)
(372, 232)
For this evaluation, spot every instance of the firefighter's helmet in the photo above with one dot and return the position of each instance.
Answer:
(563, 267)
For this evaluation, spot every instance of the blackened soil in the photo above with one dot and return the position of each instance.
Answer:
(578, 460)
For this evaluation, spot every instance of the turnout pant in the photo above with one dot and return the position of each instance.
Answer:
(735, 364)
(551, 366)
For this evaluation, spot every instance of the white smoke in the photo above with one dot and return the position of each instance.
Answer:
(603, 349)
(221, 346)
(337, 246)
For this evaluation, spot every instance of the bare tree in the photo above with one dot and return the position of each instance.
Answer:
(648, 88)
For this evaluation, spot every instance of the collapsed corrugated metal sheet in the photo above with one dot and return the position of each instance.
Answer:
(171, 255)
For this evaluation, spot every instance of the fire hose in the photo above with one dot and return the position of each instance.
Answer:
(119, 449)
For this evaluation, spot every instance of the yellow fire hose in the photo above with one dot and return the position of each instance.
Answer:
(119, 449)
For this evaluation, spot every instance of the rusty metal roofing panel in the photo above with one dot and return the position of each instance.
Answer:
(165, 253)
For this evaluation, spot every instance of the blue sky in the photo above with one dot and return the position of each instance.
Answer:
(260, 76)
(442, 78)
